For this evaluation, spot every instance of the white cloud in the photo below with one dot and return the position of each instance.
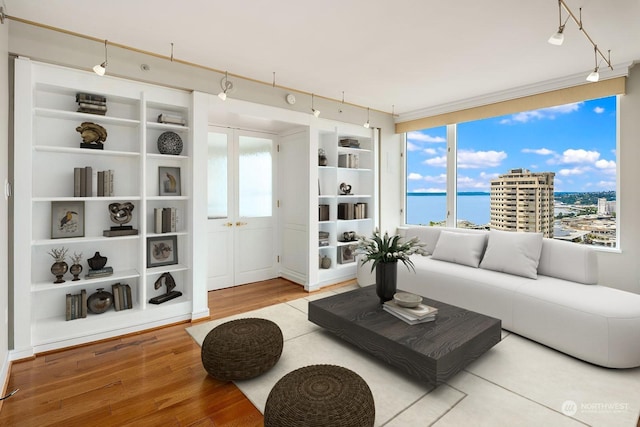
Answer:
(439, 179)
(412, 147)
(430, 151)
(579, 156)
(598, 110)
(573, 171)
(469, 159)
(540, 151)
(440, 162)
(414, 176)
(543, 113)
(607, 185)
(416, 136)
(605, 164)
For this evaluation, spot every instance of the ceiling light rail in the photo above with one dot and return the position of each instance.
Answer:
(558, 38)
(170, 58)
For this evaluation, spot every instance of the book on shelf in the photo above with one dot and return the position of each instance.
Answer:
(348, 161)
(128, 303)
(171, 119)
(92, 104)
(104, 183)
(165, 220)
(83, 181)
(420, 314)
(102, 272)
(117, 296)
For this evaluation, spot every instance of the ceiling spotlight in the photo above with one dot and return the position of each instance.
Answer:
(226, 85)
(367, 125)
(313, 110)
(558, 37)
(594, 76)
(101, 68)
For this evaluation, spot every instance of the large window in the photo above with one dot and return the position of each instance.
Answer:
(551, 170)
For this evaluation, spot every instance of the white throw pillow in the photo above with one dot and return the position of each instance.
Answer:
(461, 248)
(513, 253)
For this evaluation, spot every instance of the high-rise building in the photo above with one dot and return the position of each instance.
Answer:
(523, 201)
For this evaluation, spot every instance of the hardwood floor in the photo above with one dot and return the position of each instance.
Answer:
(152, 378)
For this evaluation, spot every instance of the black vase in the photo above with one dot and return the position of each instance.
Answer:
(386, 280)
(100, 301)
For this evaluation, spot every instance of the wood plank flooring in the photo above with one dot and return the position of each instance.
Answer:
(152, 378)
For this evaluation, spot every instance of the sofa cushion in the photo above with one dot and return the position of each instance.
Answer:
(557, 255)
(429, 235)
(513, 253)
(460, 248)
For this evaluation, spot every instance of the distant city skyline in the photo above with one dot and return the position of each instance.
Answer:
(577, 141)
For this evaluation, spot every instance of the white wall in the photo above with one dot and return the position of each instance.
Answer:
(621, 270)
(4, 226)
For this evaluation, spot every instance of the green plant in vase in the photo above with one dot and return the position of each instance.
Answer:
(59, 267)
(384, 252)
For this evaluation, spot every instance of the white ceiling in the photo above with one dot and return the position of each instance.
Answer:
(413, 54)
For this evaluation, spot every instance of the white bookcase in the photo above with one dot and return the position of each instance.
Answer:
(359, 174)
(47, 148)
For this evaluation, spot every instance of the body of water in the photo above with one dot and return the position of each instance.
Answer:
(426, 207)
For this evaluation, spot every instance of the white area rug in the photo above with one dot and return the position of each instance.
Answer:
(517, 382)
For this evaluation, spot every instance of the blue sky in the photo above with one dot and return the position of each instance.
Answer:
(576, 141)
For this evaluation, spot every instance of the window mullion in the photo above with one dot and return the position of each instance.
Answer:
(452, 175)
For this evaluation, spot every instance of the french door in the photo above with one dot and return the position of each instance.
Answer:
(242, 244)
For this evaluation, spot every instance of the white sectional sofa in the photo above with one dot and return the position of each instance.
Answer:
(542, 289)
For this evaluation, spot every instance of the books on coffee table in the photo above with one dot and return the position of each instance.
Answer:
(413, 316)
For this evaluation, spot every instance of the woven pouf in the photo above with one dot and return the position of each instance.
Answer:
(320, 395)
(241, 349)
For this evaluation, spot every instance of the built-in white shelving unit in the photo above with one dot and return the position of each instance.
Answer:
(46, 151)
(353, 165)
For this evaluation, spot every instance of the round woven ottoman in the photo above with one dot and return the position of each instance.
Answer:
(320, 395)
(241, 349)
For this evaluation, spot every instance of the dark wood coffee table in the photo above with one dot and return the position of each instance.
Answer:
(432, 351)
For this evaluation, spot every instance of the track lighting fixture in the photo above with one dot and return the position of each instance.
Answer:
(101, 68)
(366, 124)
(226, 85)
(594, 76)
(313, 110)
(558, 38)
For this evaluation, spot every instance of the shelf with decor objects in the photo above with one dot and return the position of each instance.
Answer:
(347, 184)
(72, 122)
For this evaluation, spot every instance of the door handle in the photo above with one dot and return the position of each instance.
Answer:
(239, 224)
(228, 224)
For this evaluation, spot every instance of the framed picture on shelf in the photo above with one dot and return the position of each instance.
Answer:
(162, 251)
(347, 254)
(169, 181)
(67, 219)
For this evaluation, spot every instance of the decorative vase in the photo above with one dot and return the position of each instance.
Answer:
(97, 261)
(386, 280)
(75, 269)
(58, 269)
(326, 262)
(170, 143)
(100, 301)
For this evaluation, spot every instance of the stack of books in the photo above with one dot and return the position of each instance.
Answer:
(323, 238)
(349, 142)
(171, 119)
(92, 104)
(76, 305)
(121, 296)
(102, 272)
(165, 220)
(413, 316)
